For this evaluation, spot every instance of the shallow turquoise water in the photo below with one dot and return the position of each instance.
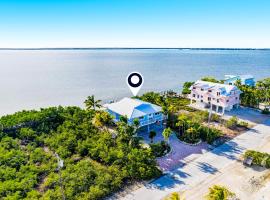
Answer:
(33, 79)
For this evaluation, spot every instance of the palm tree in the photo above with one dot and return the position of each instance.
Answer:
(166, 134)
(152, 134)
(174, 196)
(182, 120)
(91, 103)
(219, 192)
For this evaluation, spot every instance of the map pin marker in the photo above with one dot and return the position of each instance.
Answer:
(135, 82)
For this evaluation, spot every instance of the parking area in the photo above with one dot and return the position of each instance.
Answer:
(247, 114)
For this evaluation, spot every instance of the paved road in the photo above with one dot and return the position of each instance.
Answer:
(207, 165)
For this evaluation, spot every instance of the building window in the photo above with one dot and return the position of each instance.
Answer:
(202, 89)
(201, 96)
(194, 95)
(209, 98)
(217, 100)
(194, 88)
(218, 93)
(157, 113)
(236, 98)
(202, 101)
(141, 117)
(227, 100)
(198, 96)
(209, 90)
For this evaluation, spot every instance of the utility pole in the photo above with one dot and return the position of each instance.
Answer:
(209, 117)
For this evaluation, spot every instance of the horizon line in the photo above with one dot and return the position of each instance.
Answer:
(111, 48)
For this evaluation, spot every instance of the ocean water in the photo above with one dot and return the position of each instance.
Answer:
(31, 79)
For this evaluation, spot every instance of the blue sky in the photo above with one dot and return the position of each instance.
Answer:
(135, 23)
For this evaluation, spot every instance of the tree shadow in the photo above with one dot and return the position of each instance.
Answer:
(207, 168)
(165, 182)
(229, 150)
(178, 174)
(254, 131)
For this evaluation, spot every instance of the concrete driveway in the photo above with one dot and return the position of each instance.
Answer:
(203, 169)
(247, 114)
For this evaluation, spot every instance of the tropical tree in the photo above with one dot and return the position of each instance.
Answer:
(264, 87)
(181, 122)
(152, 134)
(136, 125)
(210, 79)
(192, 134)
(219, 193)
(174, 196)
(166, 134)
(101, 119)
(186, 87)
(92, 103)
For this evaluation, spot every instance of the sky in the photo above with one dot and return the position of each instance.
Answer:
(135, 23)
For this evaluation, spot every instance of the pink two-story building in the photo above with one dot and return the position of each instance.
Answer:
(218, 97)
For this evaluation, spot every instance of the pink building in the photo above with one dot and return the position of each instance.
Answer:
(218, 97)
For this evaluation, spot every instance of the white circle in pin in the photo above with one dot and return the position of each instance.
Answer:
(134, 82)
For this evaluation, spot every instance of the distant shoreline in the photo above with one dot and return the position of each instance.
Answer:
(129, 48)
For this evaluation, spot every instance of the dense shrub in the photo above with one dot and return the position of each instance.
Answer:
(266, 111)
(209, 134)
(243, 124)
(232, 122)
(160, 149)
(186, 87)
(191, 135)
(28, 163)
(219, 193)
(259, 158)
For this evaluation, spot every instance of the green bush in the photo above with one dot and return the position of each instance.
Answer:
(266, 111)
(209, 134)
(215, 117)
(258, 158)
(191, 135)
(160, 149)
(244, 124)
(186, 87)
(232, 122)
(219, 193)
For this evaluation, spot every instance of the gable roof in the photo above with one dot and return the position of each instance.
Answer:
(223, 88)
(132, 108)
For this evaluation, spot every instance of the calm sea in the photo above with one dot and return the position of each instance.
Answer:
(41, 78)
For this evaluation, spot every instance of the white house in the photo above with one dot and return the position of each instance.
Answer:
(147, 113)
(218, 97)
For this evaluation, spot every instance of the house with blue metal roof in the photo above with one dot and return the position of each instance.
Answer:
(245, 79)
(147, 113)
